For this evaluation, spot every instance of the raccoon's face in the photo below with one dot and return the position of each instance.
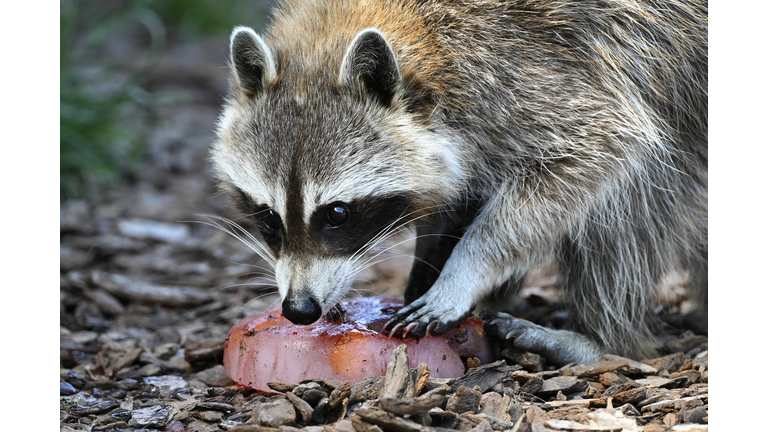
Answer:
(328, 172)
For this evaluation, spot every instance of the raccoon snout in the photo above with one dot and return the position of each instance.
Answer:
(302, 310)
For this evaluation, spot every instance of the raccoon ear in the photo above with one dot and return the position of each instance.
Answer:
(251, 59)
(370, 61)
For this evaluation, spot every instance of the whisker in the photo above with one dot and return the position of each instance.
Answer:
(385, 232)
(359, 291)
(258, 298)
(389, 231)
(358, 280)
(264, 286)
(364, 264)
(382, 236)
(250, 236)
(235, 230)
(268, 271)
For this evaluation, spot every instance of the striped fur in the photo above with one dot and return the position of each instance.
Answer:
(531, 128)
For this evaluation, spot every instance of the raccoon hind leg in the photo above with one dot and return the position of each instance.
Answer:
(609, 283)
(610, 271)
(697, 320)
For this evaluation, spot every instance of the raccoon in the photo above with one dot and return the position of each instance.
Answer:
(505, 132)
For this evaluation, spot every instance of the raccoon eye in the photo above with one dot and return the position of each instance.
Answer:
(270, 220)
(337, 214)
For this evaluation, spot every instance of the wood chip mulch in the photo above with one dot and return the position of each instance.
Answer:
(616, 394)
(147, 298)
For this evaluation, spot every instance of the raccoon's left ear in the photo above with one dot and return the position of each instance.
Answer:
(251, 59)
(370, 61)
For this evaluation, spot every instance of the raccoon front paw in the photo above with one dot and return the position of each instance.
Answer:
(560, 347)
(422, 318)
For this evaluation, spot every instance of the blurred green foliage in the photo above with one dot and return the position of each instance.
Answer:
(103, 108)
(205, 17)
(105, 111)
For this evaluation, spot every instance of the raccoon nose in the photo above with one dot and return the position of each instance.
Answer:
(302, 311)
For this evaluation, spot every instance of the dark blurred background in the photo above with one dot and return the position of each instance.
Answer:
(126, 69)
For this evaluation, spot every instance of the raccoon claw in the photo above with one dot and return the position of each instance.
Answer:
(395, 329)
(413, 329)
(432, 328)
(398, 321)
(501, 324)
(415, 320)
(506, 327)
(560, 347)
(409, 328)
(488, 315)
(336, 313)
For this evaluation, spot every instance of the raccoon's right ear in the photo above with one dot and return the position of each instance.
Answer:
(251, 59)
(371, 61)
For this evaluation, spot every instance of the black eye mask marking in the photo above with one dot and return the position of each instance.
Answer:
(264, 218)
(344, 228)
(336, 229)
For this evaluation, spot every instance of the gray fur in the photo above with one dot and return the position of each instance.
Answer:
(577, 129)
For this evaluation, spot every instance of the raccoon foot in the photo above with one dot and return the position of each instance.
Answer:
(559, 347)
(336, 313)
(424, 317)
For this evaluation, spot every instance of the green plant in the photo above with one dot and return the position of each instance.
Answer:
(195, 17)
(104, 111)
